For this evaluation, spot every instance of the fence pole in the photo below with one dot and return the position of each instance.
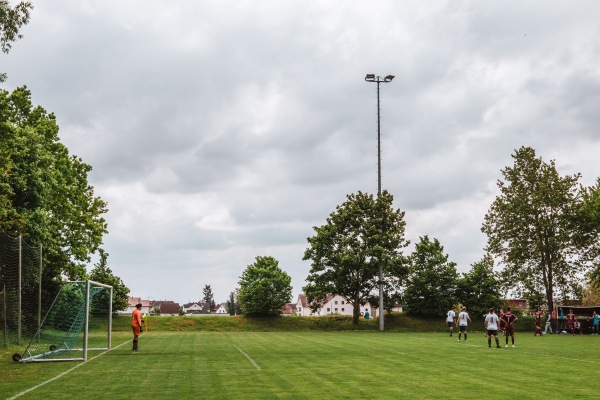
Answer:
(4, 319)
(40, 290)
(19, 289)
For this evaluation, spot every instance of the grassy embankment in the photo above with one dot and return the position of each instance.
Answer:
(394, 323)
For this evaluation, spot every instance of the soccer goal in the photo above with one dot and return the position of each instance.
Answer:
(79, 320)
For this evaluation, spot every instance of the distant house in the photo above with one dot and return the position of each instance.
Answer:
(220, 309)
(131, 303)
(169, 308)
(289, 309)
(196, 308)
(333, 304)
(302, 306)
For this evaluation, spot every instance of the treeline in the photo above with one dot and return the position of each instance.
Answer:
(543, 244)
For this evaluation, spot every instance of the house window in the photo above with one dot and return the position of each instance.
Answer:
(343, 309)
(342, 301)
(336, 309)
(328, 309)
(336, 302)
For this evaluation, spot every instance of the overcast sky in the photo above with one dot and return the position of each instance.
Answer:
(219, 131)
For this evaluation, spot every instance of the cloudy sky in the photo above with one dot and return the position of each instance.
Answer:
(222, 130)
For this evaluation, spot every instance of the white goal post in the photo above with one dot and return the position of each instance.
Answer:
(79, 320)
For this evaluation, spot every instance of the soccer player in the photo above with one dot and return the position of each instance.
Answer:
(509, 328)
(450, 320)
(501, 322)
(538, 322)
(463, 320)
(136, 324)
(571, 321)
(491, 324)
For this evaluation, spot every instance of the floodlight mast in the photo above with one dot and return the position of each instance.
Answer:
(379, 80)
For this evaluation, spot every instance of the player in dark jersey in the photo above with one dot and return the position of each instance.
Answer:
(509, 329)
(538, 323)
(571, 321)
(501, 322)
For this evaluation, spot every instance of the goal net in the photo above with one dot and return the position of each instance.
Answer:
(20, 290)
(79, 320)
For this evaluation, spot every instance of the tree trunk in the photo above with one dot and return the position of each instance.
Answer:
(550, 290)
(356, 311)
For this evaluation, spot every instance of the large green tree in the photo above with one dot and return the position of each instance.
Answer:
(479, 289)
(101, 273)
(362, 234)
(534, 227)
(588, 236)
(50, 198)
(233, 305)
(264, 287)
(209, 298)
(431, 286)
(11, 20)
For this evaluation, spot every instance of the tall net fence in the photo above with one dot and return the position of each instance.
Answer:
(20, 290)
(78, 320)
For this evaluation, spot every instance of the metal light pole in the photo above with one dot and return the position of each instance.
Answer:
(379, 80)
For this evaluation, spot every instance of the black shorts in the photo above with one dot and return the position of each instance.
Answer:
(462, 328)
(492, 332)
(450, 324)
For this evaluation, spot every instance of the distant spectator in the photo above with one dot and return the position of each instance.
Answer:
(577, 327)
(571, 320)
(548, 323)
(367, 315)
(595, 318)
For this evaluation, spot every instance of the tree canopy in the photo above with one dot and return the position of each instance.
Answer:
(362, 234)
(101, 273)
(264, 287)
(209, 297)
(535, 227)
(44, 190)
(431, 286)
(11, 20)
(479, 289)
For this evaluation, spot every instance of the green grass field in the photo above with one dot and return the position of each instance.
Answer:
(316, 365)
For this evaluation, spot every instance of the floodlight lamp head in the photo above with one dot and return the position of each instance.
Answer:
(389, 78)
(370, 77)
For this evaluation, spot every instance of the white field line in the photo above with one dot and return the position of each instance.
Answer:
(248, 357)
(63, 373)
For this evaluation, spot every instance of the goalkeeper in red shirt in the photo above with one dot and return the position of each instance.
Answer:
(136, 324)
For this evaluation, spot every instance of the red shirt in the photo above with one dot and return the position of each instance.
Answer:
(509, 318)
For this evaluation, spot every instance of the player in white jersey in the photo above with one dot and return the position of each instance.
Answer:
(463, 321)
(450, 320)
(491, 324)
